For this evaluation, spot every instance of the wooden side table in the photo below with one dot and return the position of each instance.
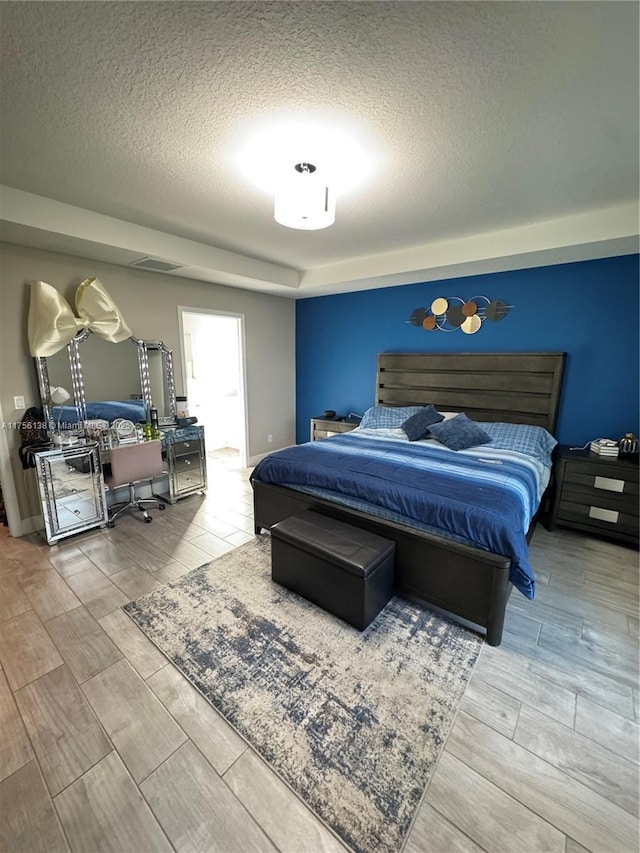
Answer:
(322, 428)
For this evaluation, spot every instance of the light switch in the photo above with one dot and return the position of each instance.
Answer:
(18, 403)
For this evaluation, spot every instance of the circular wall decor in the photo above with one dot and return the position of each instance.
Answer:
(446, 315)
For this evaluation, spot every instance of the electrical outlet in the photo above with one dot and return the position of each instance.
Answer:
(18, 403)
(270, 439)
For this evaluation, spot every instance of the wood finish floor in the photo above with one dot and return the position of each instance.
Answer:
(104, 746)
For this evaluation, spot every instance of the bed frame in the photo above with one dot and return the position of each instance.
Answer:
(467, 583)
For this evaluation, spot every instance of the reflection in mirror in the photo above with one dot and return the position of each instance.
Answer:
(157, 382)
(109, 381)
(110, 371)
(158, 387)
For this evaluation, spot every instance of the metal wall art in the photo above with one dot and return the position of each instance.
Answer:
(453, 313)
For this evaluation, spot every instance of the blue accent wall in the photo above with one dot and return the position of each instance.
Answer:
(588, 310)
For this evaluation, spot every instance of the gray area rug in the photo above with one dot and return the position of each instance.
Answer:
(353, 722)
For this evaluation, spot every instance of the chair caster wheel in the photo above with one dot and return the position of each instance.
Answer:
(148, 520)
(111, 524)
(161, 506)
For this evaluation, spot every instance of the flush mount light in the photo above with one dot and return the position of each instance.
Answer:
(304, 200)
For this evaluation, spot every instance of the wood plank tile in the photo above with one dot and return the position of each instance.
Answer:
(214, 737)
(433, 832)
(239, 520)
(633, 626)
(49, 595)
(135, 582)
(239, 538)
(616, 733)
(512, 676)
(491, 706)
(569, 673)
(144, 552)
(599, 658)
(26, 649)
(212, 545)
(516, 623)
(213, 525)
(197, 810)
(104, 811)
(107, 555)
(267, 798)
(13, 601)
(65, 734)
(143, 656)
(98, 594)
(141, 729)
(574, 847)
(15, 749)
(171, 572)
(544, 613)
(69, 560)
(564, 802)
(492, 818)
(29, 823)
(184, 552)
(83, 644)
(606, 639)
(583, 607)
(581, 758)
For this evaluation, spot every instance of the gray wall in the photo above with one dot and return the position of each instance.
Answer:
(149, 304)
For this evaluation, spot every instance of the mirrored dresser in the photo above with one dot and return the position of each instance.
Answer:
(71, 490)
(184, 451)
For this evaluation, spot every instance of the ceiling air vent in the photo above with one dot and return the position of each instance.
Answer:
(155, 264)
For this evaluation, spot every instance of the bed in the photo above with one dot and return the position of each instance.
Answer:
(468, 582)
(105, 410)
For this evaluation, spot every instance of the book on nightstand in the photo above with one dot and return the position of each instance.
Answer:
(605, 447)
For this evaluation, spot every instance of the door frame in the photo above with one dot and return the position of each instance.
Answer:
(242, 391)
(15, 523)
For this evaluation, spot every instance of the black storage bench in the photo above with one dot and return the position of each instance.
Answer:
(343, 569)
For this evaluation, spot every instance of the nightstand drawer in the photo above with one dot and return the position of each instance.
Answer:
(597, 475)
(186, 448)
(620, 502)
(598, 517)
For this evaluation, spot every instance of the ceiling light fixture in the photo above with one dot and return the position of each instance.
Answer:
(304, 200)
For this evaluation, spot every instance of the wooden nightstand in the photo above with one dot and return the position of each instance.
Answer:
(321, 428)
(596, 494)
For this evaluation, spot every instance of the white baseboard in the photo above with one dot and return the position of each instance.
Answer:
(27, 525)
(253, 460)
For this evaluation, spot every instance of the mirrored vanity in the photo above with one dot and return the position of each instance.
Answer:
(108, 382)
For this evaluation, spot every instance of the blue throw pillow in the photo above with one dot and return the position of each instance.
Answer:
(387, 417)
(459, 433)
(417, 426)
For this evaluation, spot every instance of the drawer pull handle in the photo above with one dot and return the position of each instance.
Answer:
(601, 514)
(609, 484)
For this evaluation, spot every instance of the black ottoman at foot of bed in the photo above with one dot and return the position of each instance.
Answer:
(343, 569)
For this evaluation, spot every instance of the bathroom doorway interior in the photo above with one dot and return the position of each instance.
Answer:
(212, 346)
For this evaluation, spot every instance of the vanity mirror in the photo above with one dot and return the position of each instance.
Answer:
(108, 380)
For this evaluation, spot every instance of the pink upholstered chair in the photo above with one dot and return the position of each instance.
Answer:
(132, 464)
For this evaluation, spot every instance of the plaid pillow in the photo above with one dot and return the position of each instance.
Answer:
(387, 417)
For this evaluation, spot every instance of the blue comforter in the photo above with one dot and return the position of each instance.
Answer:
(106, 410)
(485, 496)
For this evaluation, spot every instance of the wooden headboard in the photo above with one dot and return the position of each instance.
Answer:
(507, 387)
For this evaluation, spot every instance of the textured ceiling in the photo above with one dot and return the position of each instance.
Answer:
(480, 116)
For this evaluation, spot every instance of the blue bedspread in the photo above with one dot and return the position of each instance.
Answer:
(106, 410)
(485, 496)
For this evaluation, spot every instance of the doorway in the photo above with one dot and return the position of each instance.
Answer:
(213, 374)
